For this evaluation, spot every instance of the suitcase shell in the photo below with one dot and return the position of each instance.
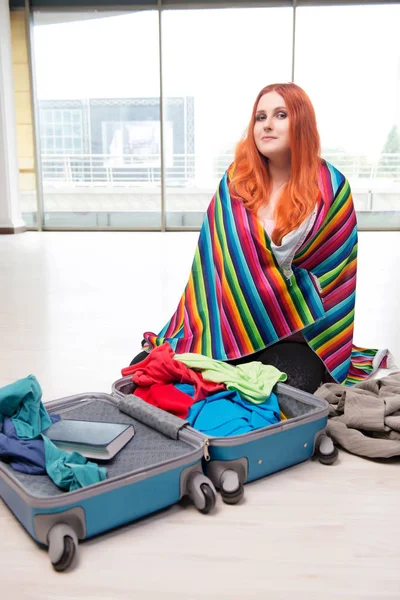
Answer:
(233, 461)
(151, 472)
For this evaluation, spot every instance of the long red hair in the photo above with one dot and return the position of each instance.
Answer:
(250, 178)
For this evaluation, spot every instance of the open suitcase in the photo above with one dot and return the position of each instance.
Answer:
(159, 465)
(233, 461)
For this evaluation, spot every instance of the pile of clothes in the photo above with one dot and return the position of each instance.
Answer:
(365, 418)
(25, 447)
(221, 400)
(216, 398)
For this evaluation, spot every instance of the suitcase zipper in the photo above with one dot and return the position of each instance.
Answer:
(206, 452)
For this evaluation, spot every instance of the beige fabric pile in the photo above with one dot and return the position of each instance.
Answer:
(365, 418)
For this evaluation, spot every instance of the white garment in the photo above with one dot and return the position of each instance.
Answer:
(269, 225)
(290, 242)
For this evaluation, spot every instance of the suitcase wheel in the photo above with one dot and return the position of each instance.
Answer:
(202, 492)
(233, 497)
(209, 497)
(67, 555)
(326, 452)
(232, 489)
(62, 541)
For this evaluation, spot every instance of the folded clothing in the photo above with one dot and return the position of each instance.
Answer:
(21, 402)
(160, 367)
(226, 413)
(253, 380)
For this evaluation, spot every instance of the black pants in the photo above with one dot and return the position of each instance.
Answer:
(303, 367)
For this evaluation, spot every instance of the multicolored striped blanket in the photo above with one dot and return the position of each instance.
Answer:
(239, 300)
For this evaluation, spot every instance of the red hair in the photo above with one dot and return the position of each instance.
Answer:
(250, 179)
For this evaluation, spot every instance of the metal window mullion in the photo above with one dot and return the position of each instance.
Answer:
(294, 38)
(162, 161)
(35, 117)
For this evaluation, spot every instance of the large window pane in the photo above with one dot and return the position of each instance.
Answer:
(348, 60)
(98, 94)
(214, 64)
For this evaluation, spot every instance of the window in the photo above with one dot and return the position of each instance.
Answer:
(212, 74)
(58, 133)
(353, 81)
(100, 131)
(100, 118)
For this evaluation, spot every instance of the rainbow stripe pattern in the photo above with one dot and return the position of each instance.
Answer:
(238, 300)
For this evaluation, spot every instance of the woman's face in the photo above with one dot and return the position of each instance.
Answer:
(271, 127)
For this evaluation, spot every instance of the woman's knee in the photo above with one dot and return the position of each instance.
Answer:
(304, 369)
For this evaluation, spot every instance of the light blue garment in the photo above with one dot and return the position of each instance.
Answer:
(21, 401)
(226, 413)
(70, 471)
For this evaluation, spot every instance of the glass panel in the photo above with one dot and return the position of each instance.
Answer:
(209, 90)
(354, 84)
(104, 98)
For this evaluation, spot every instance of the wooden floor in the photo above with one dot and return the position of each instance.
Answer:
(73, 308)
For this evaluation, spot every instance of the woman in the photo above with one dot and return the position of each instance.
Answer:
(274, 273)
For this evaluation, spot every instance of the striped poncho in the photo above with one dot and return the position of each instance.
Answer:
(238, 300)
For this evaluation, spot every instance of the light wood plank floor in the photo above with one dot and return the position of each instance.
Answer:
(73, 307)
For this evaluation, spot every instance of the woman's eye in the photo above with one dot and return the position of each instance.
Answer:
(282, 115)
(260, 117)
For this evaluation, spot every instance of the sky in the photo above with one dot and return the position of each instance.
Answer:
(347, 59)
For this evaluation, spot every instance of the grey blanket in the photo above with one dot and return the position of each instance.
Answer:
(365, 418)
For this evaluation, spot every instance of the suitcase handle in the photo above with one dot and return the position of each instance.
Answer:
(154, 417)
